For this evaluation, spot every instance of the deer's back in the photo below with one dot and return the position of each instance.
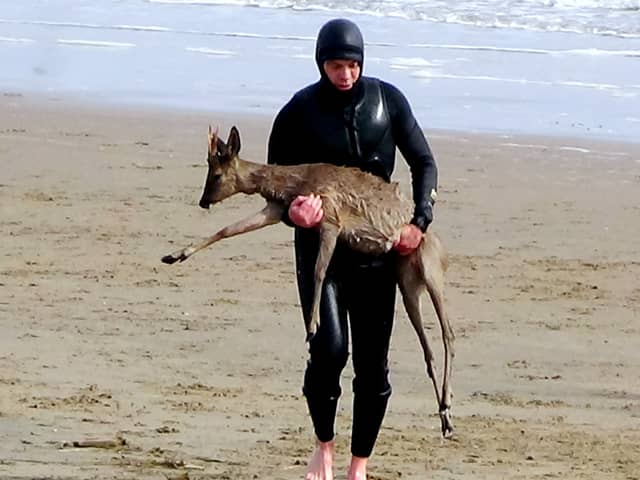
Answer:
(368, 210)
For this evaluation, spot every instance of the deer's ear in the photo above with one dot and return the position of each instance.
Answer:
(213, 140)
(233, 143)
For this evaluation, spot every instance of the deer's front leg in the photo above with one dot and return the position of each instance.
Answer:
(178, 256)
(269, 215)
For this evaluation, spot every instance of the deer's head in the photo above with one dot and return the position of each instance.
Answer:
(223, 162)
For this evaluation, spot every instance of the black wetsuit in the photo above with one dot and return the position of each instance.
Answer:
(359, 128)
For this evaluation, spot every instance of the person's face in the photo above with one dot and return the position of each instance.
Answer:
(342, 73)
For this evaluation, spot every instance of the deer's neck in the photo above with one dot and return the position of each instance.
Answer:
(273, 182)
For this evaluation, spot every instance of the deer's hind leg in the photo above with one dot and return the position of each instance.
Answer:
(433, 262)
(328, 240)
(420, 271)
(411, 284)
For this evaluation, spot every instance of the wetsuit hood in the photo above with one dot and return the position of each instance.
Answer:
(339, 39)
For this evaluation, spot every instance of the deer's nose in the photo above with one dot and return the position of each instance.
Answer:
(204, 204)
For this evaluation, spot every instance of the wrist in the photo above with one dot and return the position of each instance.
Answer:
(423, 219)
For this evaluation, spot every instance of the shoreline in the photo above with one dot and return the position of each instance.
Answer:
(80, 103)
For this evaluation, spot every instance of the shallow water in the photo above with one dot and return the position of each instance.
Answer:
(558, 68)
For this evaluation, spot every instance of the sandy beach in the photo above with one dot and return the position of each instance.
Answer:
(195, 370)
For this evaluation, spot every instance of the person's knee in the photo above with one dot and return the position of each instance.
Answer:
(322, 376)
(372, 383)
(327, 365)
(328, 353)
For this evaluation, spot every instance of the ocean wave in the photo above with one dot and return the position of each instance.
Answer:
(617, 18)
(96, 43)
(16, 40)
(605, 4)
(435, 74)
(537, 51)
(570, 16)
(480, 47)
(158, 29)
(53, 23)
(624, 5)
(413, 62)
(167, 30)
(141, 28)
(211, 51)
(599, 52)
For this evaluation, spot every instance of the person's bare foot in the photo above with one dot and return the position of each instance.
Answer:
(358, 469)
(321, 462)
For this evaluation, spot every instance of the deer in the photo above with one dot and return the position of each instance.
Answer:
(360, 209)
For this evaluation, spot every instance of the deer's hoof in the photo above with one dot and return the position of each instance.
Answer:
(445, 423)
(179, 256)
(174, 257)
(169, 259)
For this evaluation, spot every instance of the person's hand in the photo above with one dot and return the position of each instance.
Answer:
(409, 239)
(306, 211)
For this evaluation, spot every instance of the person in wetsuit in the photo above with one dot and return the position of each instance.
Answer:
(353, 120)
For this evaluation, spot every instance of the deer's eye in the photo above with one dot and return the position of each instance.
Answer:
(216, 177)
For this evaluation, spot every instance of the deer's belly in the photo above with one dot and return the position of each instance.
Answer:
(367, 242)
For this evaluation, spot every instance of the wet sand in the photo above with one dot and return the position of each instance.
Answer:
(194, 370)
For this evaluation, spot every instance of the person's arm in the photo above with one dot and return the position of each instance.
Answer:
(281, 147)
(415, 149)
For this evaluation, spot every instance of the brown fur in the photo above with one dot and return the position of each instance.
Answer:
(359, 209)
